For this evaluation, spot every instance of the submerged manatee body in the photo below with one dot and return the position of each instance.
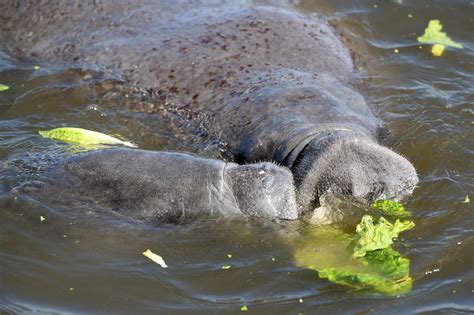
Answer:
(174, 187)
(275, 83)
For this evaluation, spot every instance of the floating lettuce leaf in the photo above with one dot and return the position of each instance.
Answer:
(433, 35)
(83, 137)
(330, 252)
(391, 208)
(379, 235)
(3, 87)
(386, 273)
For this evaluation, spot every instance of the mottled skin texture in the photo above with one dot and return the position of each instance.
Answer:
(273, 81)
(167, 187)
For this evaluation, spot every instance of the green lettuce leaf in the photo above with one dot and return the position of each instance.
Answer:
(330, 252)
(3, 87)
(379, 235)
(391, 208)
(386, 272)
(433, 35)
(85, 138)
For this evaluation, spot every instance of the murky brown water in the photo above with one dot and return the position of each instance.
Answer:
(79, 262)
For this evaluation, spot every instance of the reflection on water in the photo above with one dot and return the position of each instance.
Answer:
(76, 261)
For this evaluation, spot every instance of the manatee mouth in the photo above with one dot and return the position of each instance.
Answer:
(353, 165)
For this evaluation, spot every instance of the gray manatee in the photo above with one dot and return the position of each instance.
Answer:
(276, 83)
(171, 187)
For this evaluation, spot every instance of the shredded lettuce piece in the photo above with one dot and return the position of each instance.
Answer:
(83, 137)
(433, 35)
(379, 235)
(391, 208)
(3, 87)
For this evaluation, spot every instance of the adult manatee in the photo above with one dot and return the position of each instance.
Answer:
(276, 83)
(170, 187)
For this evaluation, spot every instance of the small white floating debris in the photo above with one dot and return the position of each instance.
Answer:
(42, 218)
(225, 267)
(466, 199)
(155, 258)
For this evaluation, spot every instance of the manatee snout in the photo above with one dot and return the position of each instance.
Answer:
(263, 190)
(352, 165)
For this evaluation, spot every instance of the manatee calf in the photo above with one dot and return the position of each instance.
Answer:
(276, 83)
(174, 187)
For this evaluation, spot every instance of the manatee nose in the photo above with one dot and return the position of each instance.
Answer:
(353, 165)
(379, 173)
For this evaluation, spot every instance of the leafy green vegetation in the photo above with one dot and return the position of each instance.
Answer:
(364, 260)
(379, 235)
(386, 273)
(391, 208)
(433, 35)
(3, 87)
(85, 138)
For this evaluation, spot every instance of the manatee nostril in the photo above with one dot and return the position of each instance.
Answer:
(267, 181)
(375, 192)
(378, 191)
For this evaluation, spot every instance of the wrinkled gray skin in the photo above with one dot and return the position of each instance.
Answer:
(172, 187)
(275, 83)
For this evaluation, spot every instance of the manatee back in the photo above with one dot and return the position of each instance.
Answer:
(153, 186)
